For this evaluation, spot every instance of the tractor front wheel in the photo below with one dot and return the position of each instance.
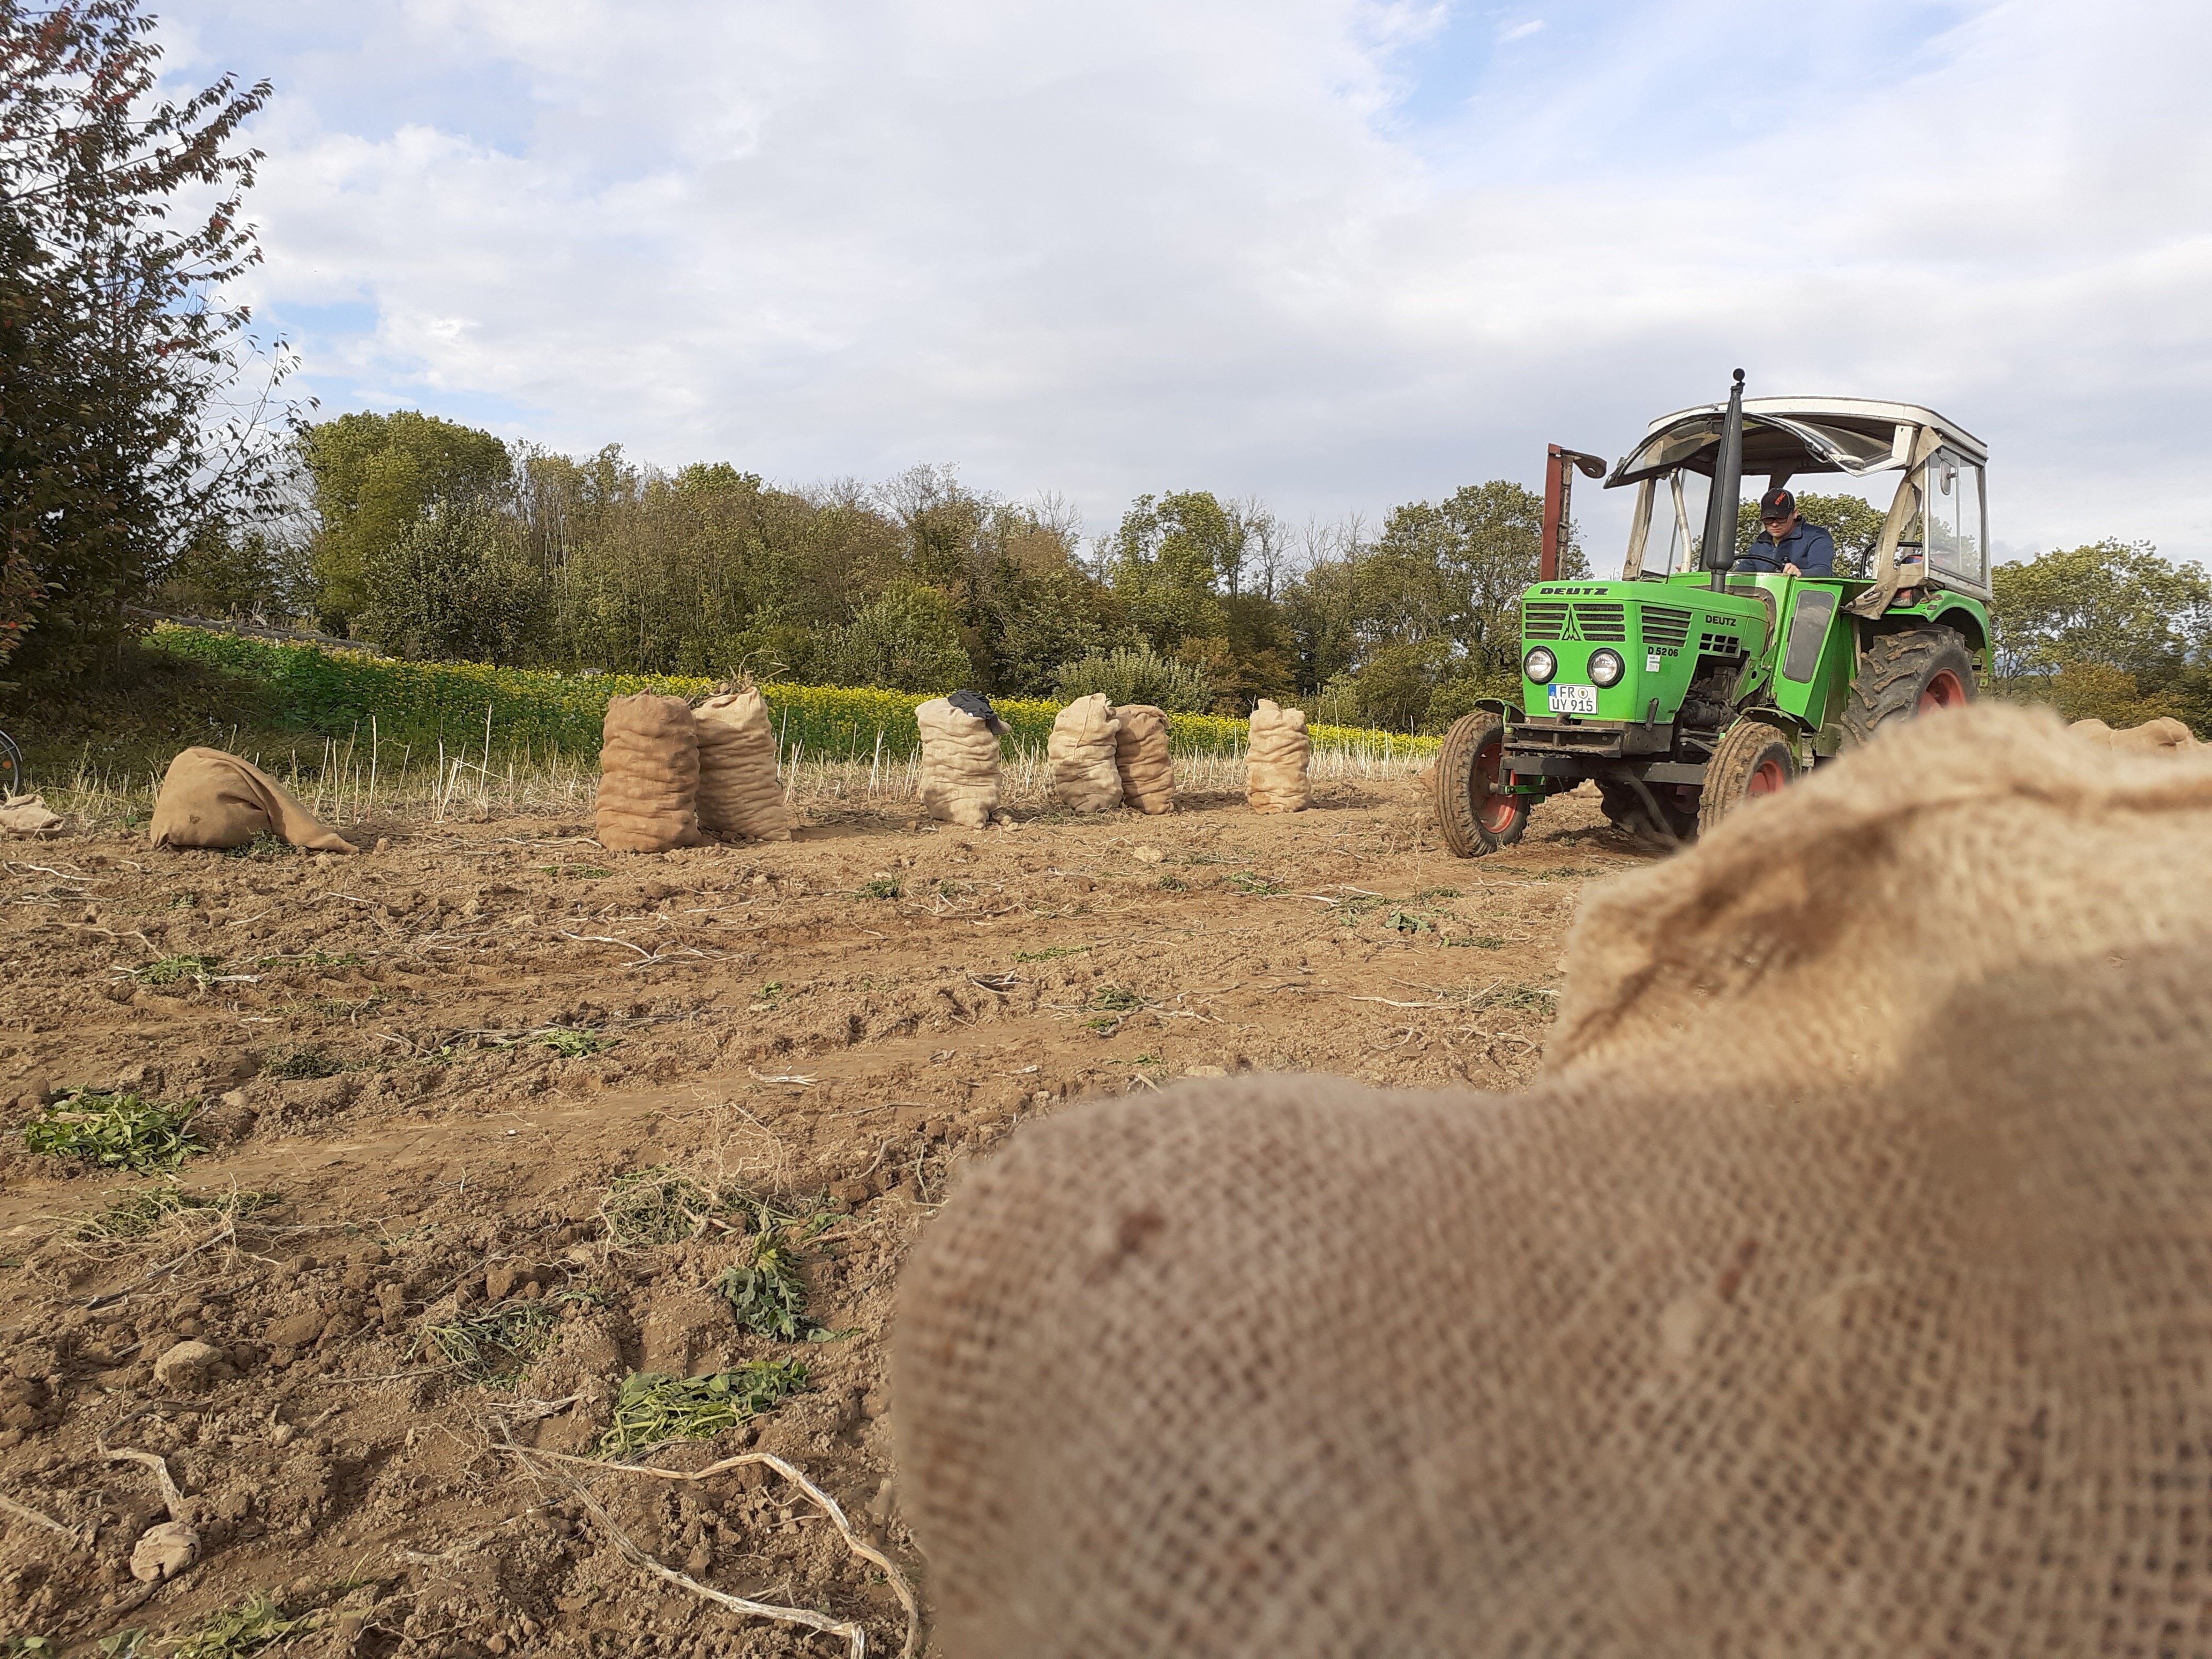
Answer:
(1476, 811)
(1912, 672)
(1752, 759)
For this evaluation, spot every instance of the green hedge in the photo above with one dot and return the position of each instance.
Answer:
(421, 704)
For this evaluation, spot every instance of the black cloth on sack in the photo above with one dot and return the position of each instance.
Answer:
(976, 703)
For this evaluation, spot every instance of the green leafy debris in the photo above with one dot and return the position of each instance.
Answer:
(176, 970)
(115, 1129)
(763, 1287)
(653, 1408)
(253, 1624)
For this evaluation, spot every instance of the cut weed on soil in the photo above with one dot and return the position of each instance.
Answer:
(115, 1130)
(653, 1409)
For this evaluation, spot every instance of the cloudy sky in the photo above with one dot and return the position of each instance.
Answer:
(1335, 253)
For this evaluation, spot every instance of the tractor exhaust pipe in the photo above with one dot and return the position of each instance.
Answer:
(1718, 552)
(1560, 466)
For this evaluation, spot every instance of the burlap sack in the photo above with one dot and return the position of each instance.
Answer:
(959, 765)
(28, 815)
(1079, 755)
(1275, 773)
(209, 799)
(1140, 754)
(648, 776)
(2160, 735)
(738, 794)
(1843, 1292)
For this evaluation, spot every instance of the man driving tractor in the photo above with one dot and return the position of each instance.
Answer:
(1786, 543)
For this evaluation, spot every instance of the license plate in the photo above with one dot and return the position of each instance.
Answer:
(1572, 699)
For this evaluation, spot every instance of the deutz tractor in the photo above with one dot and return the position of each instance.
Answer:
(1689, 687)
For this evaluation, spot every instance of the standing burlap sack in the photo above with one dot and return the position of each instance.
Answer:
(648, 776)
(2162, 736)
(1079, 755)
(959, 765)
(1841, 1290)
(209, 799)
(1275, 775)
(1141, 756)
(738, 794)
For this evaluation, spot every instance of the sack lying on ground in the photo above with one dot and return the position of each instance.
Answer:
(1275, 775)
(209, 799)
(1141, 756)
(1079, 755)
(1838, 1290)
(959, 764)
(738, 794)
(648, 776)
(2152, 737)
(27, 815)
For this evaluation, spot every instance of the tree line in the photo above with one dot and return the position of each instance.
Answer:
(436, 539)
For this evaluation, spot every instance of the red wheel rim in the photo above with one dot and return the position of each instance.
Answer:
(1492, 810)
(1943, 690)
(1767, 778)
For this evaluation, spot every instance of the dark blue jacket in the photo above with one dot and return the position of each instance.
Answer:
(1807, 546)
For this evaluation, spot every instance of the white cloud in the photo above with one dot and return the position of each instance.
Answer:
(1141, 246)
(1509, 33)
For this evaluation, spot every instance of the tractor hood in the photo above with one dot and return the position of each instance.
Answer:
(1787, 436)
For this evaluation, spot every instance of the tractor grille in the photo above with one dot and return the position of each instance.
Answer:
(1604, 623)
(1541, 621)
(1664, 626)
(1719, 645)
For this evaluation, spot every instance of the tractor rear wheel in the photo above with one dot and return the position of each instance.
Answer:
(1478, 815)
(1908, 673)
(1752, 759)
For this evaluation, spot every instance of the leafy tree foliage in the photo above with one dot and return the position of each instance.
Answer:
(1137, 674)
(904, 638)
(376, 475)
(456, 585)
(127, 421)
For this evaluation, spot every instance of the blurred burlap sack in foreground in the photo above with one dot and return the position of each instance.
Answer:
(1080, 755)
(1141, 756)
(210, 799)
(2159, 735)
(1840, 1290)
(738, 793)
(648, 776)
(1276, 774)
(959, 764)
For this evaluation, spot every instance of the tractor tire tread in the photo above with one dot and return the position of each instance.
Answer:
(1463, 831)
(1896, 669)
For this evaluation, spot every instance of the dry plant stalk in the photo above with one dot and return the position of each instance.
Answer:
(855, 1636)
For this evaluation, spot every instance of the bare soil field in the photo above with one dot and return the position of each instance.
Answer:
(420, 1072)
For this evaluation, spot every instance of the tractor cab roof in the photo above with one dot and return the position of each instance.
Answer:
(1787, 436)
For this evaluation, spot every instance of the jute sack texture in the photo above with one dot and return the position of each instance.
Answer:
(959, 765)
(1141, 756)
(1275, 771)
(210, 799)
(648, 776)
(738, 794)
(1081, 755)
(1841, 1291)
(2159, 735)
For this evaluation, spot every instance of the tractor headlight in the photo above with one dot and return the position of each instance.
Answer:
(1540, 664)
(1605, 667)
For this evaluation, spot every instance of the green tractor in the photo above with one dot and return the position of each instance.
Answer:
(1687, 688)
